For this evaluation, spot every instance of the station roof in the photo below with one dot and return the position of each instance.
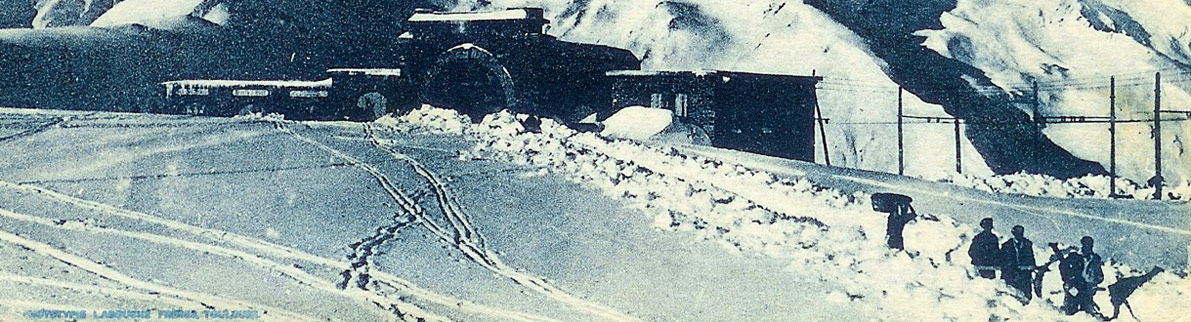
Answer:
(509, 14)
(228, 83)
(704, 73)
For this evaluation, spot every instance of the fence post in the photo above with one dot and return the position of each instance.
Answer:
(958, 155)
(1157, 181)
(901, 147)
(1112, 134)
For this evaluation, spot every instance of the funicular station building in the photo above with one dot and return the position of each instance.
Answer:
(482, 62)
(761, 113)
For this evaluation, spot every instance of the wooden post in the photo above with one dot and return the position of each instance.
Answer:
(822, 133)
(1037, 122)
(901, 147)
(1157, 136)
(819, 117)
(958, 155)
(1112, 135)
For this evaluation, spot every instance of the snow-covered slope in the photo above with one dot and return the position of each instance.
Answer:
(170, 14)
(1012, 41)
(62, 13)
(1071, 47)
(786, 37)
(824, 233)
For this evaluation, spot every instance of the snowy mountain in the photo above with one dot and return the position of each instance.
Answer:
(975, 60)
(967, 59)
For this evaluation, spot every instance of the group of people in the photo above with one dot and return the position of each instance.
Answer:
(1081, 270)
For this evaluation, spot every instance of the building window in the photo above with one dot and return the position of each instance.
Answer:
(193, 92)
(655, 100)
(680, 108)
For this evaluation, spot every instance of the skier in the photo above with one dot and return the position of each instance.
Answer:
(984, 253)
(1018, 256)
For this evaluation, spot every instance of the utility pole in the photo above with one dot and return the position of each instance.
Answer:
(1112, 134)
(819, 117)
(1157, 181)
(901, 147)
(958, 155)
(1037, 123)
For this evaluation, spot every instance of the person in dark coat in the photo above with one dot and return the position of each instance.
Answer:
(1018, 266)
(984, 253)
(1090, 275)
(1070, 268)
(896, 223)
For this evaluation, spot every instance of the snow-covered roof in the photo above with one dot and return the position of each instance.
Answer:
(395, 72)
(510, 14)
(213, 83)
(694, 72)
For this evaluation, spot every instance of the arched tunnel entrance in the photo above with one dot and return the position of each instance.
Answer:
(471, 80)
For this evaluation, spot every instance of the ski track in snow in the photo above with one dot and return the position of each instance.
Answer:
(472, 243)
(35, 130)
(410, 207)
(463, 238)
(206, 300)
(125, 294)
(289, 271)
(279, 251)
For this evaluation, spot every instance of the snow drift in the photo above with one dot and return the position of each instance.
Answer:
(824, 233)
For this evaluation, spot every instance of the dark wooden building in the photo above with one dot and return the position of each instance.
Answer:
(482, 62)
(761, 113)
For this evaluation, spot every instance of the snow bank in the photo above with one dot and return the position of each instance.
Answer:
(825, 234)
(434, 120)
(637, 122)
(1082, 187)
(161, 14)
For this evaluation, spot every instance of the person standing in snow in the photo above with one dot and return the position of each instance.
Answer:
(896, 223)
(1086, 278)
(1018, 266)
(984, 253)
(900, 213)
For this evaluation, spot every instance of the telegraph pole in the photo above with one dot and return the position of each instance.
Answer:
(1112, 134)
(958, 155)
(1157, 181)
(901, 147)
(1037, 123)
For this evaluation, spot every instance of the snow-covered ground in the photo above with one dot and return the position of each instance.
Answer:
(427, 215)
(820, 230)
